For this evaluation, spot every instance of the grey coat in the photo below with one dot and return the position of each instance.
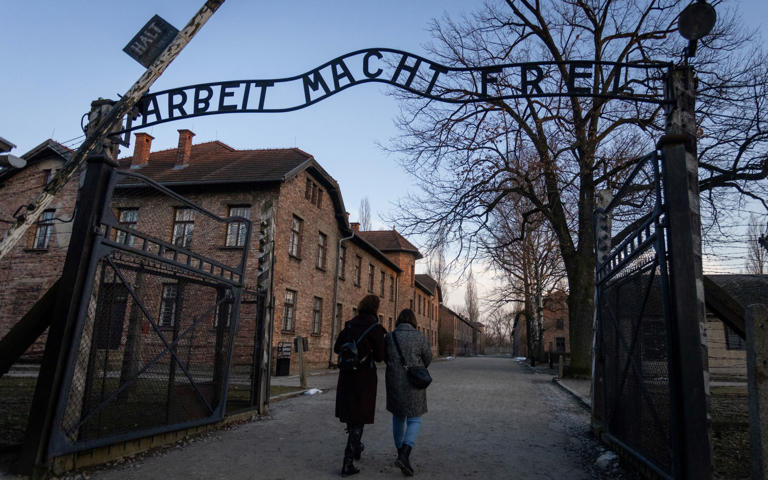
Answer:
(402, 398)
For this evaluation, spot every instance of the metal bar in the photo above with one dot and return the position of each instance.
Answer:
(106, 125)
(639, 456)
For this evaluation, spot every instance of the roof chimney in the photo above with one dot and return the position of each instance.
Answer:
(355, 227)
(141, 150)
(185, 148)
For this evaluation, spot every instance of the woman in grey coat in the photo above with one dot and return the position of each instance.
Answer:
(406, 403)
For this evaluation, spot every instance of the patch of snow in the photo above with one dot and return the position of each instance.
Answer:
(449, 357)
(313, 391)
(606, 460)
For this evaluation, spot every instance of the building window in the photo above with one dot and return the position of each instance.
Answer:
(168, 302)
(319, 198)
(358, 270)
(223, 310)
(127, 218)
(392, 288)
(559, 324)
(371, 271)
(381, 320)
(418, 303)
(44, 230)
(560, 344)
(48, 175)
(413, 275)
(294, 245)
(183, 225)
(342, 261)
(382, 284)
(317, 315)
(322, 250)
(732, 339)
(308, 191)
(391, 324)
(411, 304)
(289, 310)
(314, 193)
(237, 229)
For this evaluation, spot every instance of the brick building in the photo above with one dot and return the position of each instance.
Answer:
(456, 334)
(36, 262)
(322, 265)
(554, 326)
(420, 293)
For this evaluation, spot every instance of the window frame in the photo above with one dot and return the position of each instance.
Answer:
(357, 279)
(371, 277)
(289, 310)
(241, 227)
(317, 315)
(162, 317)
(123, 237)
(383, 282)
(184, 228)
(294, 239)
(44, 231)
(322, 251)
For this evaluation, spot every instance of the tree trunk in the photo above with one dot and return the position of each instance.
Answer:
(581, 304)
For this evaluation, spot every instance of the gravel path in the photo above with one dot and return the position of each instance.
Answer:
(489, 417)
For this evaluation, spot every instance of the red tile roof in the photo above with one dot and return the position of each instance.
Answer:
(389, 241)
(216, 162)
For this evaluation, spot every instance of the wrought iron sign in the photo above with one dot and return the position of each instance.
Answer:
(630, 81)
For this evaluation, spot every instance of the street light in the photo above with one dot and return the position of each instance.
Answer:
(696, 21)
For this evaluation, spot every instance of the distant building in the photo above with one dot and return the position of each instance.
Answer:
(554, 326)
(457, 334)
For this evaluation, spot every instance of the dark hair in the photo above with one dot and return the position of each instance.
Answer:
(407, 316)
(369, 304)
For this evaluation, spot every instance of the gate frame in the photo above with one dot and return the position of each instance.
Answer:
(687, 356)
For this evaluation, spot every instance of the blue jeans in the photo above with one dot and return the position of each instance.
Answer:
(405, 430)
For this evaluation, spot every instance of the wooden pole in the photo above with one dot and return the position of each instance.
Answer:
(106, 125)
(689, 373)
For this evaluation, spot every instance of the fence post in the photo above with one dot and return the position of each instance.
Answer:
(689, 376)
(76, 278)
(756, 325)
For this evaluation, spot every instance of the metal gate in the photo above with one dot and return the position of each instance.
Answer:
(636, 404)
(154, 336)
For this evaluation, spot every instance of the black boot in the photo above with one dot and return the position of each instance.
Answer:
(403, 461)
(351, 451)
(355, 436)
(348, 468)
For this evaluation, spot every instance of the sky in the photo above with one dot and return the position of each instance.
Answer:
(58, 56)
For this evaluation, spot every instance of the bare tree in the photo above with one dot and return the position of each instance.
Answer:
(556, 152)
(438, 269)
(365, 214)
(471, 301)
(757, 256)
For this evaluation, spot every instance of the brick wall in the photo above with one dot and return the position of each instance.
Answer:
(27, 273)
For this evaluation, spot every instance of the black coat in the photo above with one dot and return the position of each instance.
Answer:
(356, 391)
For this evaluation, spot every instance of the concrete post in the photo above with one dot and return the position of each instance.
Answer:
(689, 373)
(756, 323)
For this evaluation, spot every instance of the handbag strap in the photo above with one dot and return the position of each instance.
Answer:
(397, 345)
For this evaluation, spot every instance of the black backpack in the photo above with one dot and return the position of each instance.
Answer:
(349, 356)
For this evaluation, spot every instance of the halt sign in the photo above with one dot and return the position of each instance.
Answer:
(151, 41)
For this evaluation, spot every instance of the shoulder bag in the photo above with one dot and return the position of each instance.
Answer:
(418, 376)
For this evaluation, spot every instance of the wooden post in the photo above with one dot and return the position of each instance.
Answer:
(97, 133)
(689, 373)
(560, 365)
(757, 374)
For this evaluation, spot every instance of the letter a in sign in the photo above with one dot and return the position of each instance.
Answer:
(151, 41)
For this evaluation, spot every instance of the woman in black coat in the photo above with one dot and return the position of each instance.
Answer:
(356, 390)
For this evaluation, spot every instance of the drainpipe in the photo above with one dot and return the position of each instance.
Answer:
(335, 301)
